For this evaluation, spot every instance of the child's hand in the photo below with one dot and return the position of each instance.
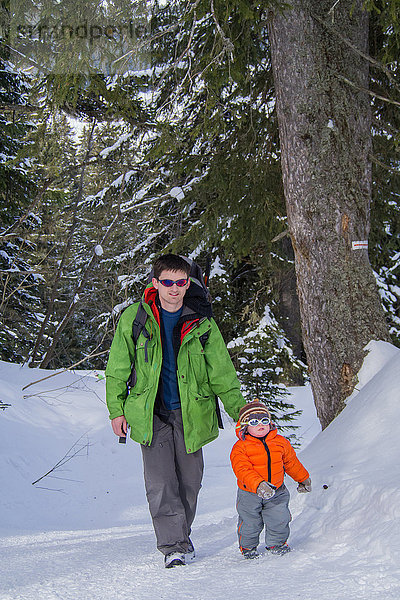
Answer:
(304, 486)
(265, 490)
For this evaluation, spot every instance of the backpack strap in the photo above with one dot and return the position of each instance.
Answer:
(138, 323)
(138, 327)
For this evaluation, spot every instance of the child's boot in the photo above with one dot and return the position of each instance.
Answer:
(250, 553)
(281, 549)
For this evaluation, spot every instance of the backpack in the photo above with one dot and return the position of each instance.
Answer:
(197, 296)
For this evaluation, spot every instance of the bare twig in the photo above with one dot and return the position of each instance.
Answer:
(366, 90)
(41, 487)
(66, 458)
(331, 11)
(153, 38)
(228, 44)
(26, 275)
(376, 160)
(29, 210)
(19, 108)
(45, 394)
(67, 246)
(39, 67)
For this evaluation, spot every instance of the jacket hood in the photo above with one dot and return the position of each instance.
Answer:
(150, 294)
(195, 300)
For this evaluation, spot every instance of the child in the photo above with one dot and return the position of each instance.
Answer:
(260, 460)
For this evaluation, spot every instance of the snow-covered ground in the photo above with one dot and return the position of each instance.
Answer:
(84, 532)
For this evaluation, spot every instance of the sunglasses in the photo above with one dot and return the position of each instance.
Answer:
(254, 421)
(170, 282)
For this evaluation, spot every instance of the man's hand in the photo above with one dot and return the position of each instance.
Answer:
(120, 426)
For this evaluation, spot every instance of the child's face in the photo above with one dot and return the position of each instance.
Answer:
(258, 430)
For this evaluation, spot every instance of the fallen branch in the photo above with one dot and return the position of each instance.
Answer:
(66, 369)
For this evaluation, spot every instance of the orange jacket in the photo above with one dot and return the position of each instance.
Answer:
(255, 460)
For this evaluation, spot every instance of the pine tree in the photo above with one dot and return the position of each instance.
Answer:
(265, 362)
(19, 276)
(385, 211)
(56, 163)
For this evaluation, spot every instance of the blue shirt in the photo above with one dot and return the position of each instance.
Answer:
(168, 369)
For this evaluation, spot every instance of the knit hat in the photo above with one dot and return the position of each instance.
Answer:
(252, 408)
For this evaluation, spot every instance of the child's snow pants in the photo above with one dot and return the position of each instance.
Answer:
(256, 513)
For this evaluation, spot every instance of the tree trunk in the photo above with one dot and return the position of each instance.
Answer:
(324, 125)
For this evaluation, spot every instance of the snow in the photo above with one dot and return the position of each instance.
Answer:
(217, 268)
(177, 192)
(6, 256)
(84, 530)
(122, 138)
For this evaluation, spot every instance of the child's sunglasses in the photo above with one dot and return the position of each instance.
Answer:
(254, 421)
(170, 282)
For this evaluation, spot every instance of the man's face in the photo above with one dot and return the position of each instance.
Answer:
(171, 298)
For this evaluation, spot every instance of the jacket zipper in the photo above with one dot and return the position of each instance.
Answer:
(269, 459)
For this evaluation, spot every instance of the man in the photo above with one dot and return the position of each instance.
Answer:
(181, 365)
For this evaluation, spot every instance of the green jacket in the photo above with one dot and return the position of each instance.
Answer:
(202, 375)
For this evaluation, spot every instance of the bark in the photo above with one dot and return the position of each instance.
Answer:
(324, 125)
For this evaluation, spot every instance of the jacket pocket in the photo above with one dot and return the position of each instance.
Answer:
(145, 364)
(138, 412)
(202, 408)
(197, 363)
(145, 349)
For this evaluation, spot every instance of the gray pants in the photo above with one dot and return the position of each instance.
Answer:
(172, 480)
(255, 513)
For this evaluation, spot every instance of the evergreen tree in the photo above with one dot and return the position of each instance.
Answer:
(58, 164)
(385, 210)
(265, 362)
(19, 276)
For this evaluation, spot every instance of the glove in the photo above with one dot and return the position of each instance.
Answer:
(265, 490)
(304, 486)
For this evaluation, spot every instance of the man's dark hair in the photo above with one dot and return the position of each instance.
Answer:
(170, 262)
